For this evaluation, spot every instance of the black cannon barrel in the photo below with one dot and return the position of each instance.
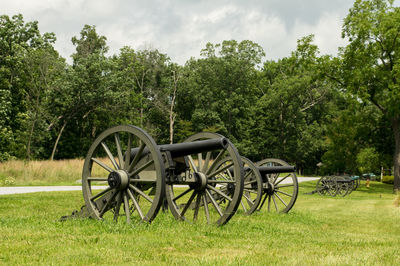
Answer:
(276, 169)
(187, 148)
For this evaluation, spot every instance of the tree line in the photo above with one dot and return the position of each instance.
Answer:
(305, 108)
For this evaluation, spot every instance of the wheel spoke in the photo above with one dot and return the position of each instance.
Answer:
(105, 207)
(219, 192)
(119, 150)
(248, 199)
(273, 199)
(126, 207)
(97, 178)
(244, 208)
(262, 202)
(284, 203)
(192, 163)
(284, 193)
(188, 203)
(269, 203)
(281, 180)
(200, 159)
(136, 158)
(216, 161)
(141, 193)
(140, 169)
(247, 175)
(110, 156)
(137, 207)
(101, 193)
(250, 182)
(206, 209)
(128, 152)
(285, 185)
(250, 190)
(106, 167)
(118, 206)
(220, 171)
(197, 206)
(206, 162)
(221, 181)
(216, 206)
(182, 194)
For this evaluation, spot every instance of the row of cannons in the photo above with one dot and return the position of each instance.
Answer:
(337, 185)
(203, 179)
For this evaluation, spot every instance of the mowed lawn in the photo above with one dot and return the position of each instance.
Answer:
(362, 228)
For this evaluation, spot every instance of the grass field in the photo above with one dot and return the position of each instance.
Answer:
(362, 228)
(35, 173)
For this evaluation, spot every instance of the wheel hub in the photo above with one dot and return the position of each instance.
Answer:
(269, 190)
(118, 179)
(201, 180)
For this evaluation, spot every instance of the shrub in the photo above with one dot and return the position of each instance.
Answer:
(388, 179)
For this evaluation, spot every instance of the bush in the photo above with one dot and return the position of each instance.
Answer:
(388, 179)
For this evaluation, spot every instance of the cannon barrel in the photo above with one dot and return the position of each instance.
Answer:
(188, 148)
(276, 169)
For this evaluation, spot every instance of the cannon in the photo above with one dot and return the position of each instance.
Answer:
(337, 185)
(271, 180)
(139, 177)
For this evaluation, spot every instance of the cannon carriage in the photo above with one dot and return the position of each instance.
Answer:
(142, 175)
(202, 179)
(337, 185)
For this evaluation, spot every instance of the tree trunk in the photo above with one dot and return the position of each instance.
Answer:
(28, 146)
(58, 138)
(396, 156)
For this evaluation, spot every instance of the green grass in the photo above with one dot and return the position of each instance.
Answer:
(362, 228)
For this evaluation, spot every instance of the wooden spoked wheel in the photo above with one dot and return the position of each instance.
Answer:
(343, 188)
(322, 186)
(253, 187)
(280, 189)
(126, 163)
(216, 194)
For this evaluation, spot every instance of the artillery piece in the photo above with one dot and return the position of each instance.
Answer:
(141, 176)
(271, 179)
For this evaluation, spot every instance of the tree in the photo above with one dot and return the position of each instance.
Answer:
(18, 40)
(82, 93)
(370, 62)
(291, 115)
(220, 88)
(43, 67)
(368, 161)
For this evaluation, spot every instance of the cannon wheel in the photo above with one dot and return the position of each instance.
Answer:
(135, 185)
(280, 189)
(322, 186)
(253, 187)
(216, 198)
(342, 188)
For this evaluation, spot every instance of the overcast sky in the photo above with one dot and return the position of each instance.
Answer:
(181, 28)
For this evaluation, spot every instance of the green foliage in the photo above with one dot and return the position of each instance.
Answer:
(387, 179)
(371, 61)
(368, 160)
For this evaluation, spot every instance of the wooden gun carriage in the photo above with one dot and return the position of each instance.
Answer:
(201, 179)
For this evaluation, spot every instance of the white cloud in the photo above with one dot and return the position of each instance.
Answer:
(182, 28)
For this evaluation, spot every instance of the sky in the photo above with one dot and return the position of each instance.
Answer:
(181, 28)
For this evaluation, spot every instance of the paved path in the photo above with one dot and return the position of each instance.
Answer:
(19, 190)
